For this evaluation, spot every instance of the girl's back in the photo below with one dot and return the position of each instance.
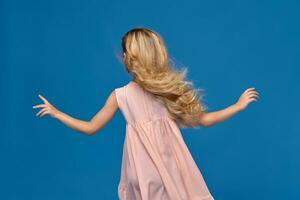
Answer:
(138, 105)
(156, 162)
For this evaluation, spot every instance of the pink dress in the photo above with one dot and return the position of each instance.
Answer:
(156, 163)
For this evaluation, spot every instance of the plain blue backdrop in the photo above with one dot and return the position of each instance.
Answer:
(66, 50)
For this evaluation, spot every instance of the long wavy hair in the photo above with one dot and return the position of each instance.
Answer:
(146, 58)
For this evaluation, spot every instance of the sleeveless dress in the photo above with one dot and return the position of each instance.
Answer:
(156, 163)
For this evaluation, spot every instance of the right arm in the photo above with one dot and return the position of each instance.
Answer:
(210, 118)
(90, 127)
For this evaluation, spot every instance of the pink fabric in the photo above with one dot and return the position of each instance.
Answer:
(156, 163)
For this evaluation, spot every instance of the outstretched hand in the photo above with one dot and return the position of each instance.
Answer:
(47, 108)
(247, 96)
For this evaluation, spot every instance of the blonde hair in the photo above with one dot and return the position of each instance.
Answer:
(146, 59)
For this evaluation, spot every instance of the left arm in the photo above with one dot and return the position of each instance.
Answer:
(211, 118)
(87, 127)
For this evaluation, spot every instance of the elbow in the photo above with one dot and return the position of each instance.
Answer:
(90, 129)
(206, 120)
(208, 125)
(89, 132)
(205, 124)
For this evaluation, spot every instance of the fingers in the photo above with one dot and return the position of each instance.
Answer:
(46, 107)
(252, 99)
(249, 89)
(42, 110)
(251, 92)
(39, 106)
(254, 95)
(44, 113)
(43, 99)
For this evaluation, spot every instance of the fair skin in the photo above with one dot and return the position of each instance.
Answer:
(104, 115)
(210, 118)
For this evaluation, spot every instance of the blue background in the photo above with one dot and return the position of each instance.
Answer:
(66, 51)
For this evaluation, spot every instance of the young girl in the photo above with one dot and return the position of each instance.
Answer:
(156, 163)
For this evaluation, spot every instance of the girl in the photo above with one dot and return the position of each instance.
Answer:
(156, 163)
